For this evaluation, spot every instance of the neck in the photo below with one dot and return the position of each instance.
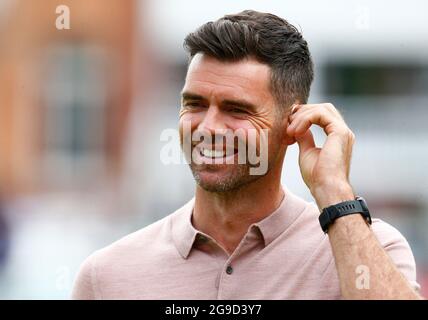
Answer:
(227, 216)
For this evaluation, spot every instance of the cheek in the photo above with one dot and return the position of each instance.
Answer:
(186, 115)
(183, 123)
(268, 134)
(190, 119)
(248, 130)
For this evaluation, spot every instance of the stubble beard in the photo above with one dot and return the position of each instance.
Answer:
(239, 177)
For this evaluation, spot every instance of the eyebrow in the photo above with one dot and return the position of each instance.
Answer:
(191, 96)
(231, 102)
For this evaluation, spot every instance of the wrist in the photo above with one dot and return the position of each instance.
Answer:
(332, 193)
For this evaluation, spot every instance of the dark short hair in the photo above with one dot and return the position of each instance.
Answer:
(265, 37)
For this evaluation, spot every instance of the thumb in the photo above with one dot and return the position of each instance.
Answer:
(306, 141)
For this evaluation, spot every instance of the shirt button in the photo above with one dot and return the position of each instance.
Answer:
(229, 270)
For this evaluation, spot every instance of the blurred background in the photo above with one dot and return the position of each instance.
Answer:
(82, 111)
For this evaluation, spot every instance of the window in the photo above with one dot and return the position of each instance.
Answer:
(74, 98)
(375, 79)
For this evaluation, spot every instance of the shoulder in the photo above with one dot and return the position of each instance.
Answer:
(141, 240)
(397, 247)
(395, 244)
(152, 239)
(116, 259)
(142, 249)
(388, 235)
(391, 240)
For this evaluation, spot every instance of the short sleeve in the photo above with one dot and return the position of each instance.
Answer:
(398, 249)
(85, 282)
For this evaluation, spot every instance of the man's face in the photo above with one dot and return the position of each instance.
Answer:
(222, 97)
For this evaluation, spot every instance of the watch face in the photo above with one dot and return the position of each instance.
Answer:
(363, 203)
(361, 199)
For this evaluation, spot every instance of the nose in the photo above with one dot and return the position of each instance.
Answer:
(212, 121)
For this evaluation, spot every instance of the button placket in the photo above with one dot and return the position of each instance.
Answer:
(225, 280)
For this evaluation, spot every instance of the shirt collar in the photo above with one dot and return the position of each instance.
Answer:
(182, 230)
(282, 218)
(184, 234)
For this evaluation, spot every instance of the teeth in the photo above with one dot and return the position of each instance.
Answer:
(212, 153)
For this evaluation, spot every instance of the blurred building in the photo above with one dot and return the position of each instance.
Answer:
(66, 98)
(65, 95)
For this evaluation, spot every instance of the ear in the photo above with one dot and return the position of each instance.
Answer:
(286, 122)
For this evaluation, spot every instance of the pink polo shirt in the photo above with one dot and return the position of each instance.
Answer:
(284, 256)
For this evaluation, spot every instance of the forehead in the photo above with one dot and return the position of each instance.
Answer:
(247, 78)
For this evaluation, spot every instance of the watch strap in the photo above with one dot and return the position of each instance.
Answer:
(331, 213)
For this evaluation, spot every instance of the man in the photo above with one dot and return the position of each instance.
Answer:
(244, 236)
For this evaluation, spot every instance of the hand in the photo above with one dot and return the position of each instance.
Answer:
(324, 170)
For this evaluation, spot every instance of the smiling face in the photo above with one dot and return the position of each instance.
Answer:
(222, 97)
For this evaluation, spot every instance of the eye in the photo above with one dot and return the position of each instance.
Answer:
(194, 104)
(238, 110)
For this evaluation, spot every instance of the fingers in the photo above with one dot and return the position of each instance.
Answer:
(306, 141)
(324, 115)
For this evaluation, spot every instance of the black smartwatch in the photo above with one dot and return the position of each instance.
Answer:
(329, 214)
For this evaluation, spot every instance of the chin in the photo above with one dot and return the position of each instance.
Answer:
(212, 181)
(223, 180)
